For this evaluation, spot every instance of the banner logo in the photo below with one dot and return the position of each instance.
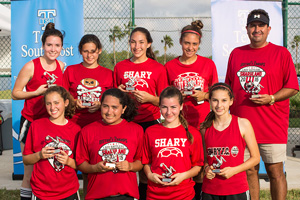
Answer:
(46, 16)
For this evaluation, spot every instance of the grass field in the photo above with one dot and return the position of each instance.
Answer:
(264, 194)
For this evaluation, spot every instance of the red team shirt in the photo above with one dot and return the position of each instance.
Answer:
(99, 141)
(169, 147)
(150, 76)
(228, 146)
(51, 179)
(34, 108)
(88, 85)
(262, 71)
(203, 73)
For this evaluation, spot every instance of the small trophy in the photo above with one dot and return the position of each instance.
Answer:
(217, 165)
(130, 84)
(111, 159)
(188, 87)
(86, 101)
(167, 175)
(51, 78)
(198, 88)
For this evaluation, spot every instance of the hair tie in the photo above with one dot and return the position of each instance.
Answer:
(191, 31)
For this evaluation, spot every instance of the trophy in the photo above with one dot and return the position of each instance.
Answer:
(51, 78)
(168, 173)
(217, 165)
(253, 88)
(130, 84)
(188, 87)
(199, 88)
(111, 159)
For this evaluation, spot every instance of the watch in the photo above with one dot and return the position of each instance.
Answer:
(272, 100)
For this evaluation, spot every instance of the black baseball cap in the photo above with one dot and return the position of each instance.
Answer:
(258, 16)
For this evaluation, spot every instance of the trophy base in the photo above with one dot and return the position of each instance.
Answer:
(56, 151)
(166, 180)
(86, 104)
(200, 102)
(188, 92)
(130, 88)
(255, 96)
(112, 165)
(216, 171)
(51, 85)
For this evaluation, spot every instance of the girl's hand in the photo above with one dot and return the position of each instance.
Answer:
(208, 171)
(46, 152)
(122, 88)
(102, 168)
(142, 96)
(155, 178)
(227, 172)
(41, 90)
(94, 107)
(124, 166)
(177, 179)
(79, 105)
(62, 157)
(199, 95)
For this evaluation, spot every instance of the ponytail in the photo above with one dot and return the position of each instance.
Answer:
(185, 124)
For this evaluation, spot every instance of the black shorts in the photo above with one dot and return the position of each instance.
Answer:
(241, 196)
(120, 197)
(24, 127)
(145, 125)
(72, 197)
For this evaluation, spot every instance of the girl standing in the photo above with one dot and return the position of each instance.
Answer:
(34, 76)
(226, 137)
(110, 150)
(172, 151)
(50, 148)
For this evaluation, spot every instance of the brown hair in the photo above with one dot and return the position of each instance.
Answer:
(90, 38)
(194, 26)
(70, 109)
(50, 30)
(211, 115)
(170, 92)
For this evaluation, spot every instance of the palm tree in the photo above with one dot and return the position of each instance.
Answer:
(116, 33)
(167, 40)
(127, 32)
(295, 44)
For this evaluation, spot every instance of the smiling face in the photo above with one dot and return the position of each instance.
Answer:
(190, 44)
(111, 110)
(55, 106)
(139, 45)
(170, 109)
(90, 54)
(258, 33)
(52, 47)
(220, 102)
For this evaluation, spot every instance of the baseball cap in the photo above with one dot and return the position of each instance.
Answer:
(258, 17)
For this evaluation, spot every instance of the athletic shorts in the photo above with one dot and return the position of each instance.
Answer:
(119, 197)
(145, 125)
(270, 153)
(72, 197)
(242, 196)
(24, 127)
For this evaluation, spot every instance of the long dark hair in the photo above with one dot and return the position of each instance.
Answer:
(211, 115)
(51, 30)
(90, 38)
(70, 109)
(131, 110)
(149, 52)
(171, 92)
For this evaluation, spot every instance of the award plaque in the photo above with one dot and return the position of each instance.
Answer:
(130, 84)
(188, 87)
(168, 173)
(51, 78)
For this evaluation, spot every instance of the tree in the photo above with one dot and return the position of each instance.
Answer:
(127, 32)
(168, 42)
(295, 45)
(116, 33)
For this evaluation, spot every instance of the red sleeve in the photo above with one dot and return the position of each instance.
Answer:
(228, 73)
(82, 153)
(197, 154)
(139, 150)
(28, 149)
(162, 81)
(290, 75)
(146, 159)
(66, 82)
(115, 77)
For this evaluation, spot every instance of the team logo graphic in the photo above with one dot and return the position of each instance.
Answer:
(57, 143)
(234, 151)
(89, 91)
(189, 80)
(169, 151)
(250, 78)
(46, 16)
(113, 152)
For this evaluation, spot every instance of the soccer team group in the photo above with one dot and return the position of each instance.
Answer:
(107, 123)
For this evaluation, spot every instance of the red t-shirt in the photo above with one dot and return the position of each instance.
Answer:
(170, 148)
(122, 141)
(34, 108)
(150, 76)
(51, 179)
(262, 71)
(228, 146)
(88, 85)
(203, 73)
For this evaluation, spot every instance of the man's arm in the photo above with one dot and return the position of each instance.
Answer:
(281, 95)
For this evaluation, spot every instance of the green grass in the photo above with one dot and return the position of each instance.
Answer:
(264, 194)
(5, 94)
